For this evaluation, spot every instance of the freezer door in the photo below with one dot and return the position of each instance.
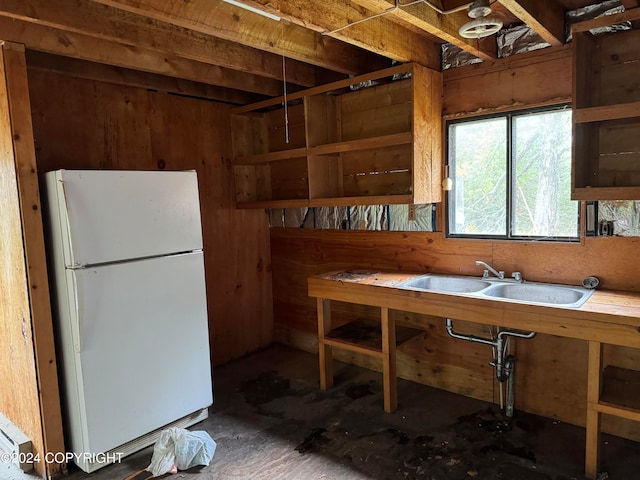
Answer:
(108, 215)
(140, 349)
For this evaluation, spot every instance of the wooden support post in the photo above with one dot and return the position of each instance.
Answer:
(385, 352)
(28, 362)
(594, 381)
(389, 375)
(324, 350)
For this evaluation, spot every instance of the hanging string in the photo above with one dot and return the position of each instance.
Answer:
(284, 82)
(286, 107)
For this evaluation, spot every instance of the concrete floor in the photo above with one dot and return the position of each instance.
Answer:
(271, 421)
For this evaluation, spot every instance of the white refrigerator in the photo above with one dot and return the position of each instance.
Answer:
(130, 308)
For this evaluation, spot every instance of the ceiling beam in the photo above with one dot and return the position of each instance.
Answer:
(49, 40)
(544, 18)
(379, 35)
(444, 27)
(451, 4)
(105, 23)
(236, 25)
(630, 4)
(135, 78)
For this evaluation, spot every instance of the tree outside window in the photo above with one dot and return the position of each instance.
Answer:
(512, 177)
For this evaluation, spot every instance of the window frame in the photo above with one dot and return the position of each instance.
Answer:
(509, 170)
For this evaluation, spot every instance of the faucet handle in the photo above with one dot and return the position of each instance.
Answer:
(517, 276)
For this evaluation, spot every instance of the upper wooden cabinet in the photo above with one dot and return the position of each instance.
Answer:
(606, 116)
(336, 145)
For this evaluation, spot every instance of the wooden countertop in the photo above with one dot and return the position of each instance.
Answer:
(607, 316)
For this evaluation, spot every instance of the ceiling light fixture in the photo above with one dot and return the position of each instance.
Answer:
(253, 9)
(481, 26)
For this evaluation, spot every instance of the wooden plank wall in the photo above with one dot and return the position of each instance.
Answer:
(88, 124)
(551, 371)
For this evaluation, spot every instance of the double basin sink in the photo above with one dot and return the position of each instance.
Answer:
(509, 290)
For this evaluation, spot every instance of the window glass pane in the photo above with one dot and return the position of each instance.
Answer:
(478, 201)
(542, 176)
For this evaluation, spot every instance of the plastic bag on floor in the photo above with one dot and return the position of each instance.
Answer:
(180, 449)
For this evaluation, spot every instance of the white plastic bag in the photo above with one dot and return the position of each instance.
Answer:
(180, 449)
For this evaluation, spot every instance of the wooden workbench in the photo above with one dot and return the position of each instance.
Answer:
(607, 317)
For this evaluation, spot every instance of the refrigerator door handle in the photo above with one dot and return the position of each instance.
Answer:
(76, 304)
(65, 209)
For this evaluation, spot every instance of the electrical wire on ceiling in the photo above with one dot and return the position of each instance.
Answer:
(389, 10)
(480, 26)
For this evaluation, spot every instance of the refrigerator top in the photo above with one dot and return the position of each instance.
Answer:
(109, 216)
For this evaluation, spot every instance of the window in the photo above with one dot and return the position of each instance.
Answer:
(512, 177)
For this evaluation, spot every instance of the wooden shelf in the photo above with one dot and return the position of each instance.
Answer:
(606, 116)
(404, 138)
(607, 112)
(621, 388)
(374, 145)
(364, 200)
(270, 156)
(367, 143)
(330, 202)
(365, 336)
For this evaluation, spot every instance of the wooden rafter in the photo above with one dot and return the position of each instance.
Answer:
(135, 78)
(631, 4)
(224, 21)
(105, 23)
(444, 27)
(378, 35)
(69, 44)
(545, 18)
(451, 4)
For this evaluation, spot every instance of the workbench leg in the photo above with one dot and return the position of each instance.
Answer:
(389, 374)
(594, 380)
(324, 351)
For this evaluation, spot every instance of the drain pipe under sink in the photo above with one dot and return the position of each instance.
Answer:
(505, 367)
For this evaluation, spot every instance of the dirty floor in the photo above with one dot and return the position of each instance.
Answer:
(270, 421)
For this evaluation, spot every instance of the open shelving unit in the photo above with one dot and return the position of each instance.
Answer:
(606, 115)
(378, 338)
(367, 140)
(611, 391)
(606, 166)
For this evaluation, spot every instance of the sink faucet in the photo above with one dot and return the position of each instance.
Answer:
(517, 276)
(489, 268)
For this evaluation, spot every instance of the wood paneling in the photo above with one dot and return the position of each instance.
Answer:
(537, 78)
(551, 371)
(90, 124)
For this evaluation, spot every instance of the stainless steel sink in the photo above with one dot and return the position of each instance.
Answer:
(445, 283)
(521, 292)
(540, 293)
